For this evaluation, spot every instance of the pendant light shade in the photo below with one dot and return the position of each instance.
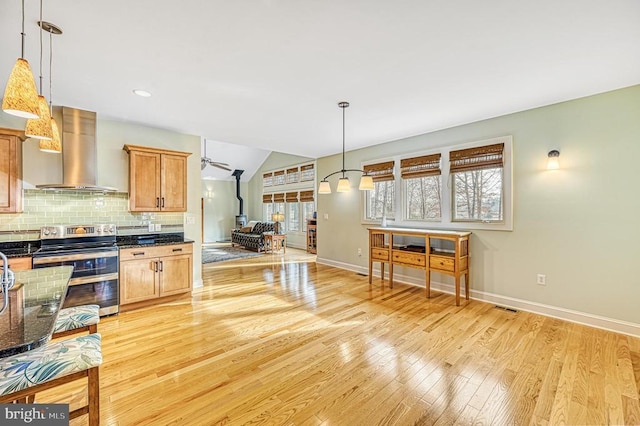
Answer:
(20, 94)
(54, 145)
(324, 187)
(343, 185)
(40, 128)
(366, 183)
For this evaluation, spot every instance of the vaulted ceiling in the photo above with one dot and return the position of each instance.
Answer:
(268, 74)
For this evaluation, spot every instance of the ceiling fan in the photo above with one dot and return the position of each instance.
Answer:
(206, 160)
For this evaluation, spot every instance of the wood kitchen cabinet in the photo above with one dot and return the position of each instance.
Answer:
(11, 171)
(157, 179)
(18, 263)
(148, 273)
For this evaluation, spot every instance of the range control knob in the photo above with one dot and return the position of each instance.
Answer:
(111, 229)
(54, 231)
(45, 232)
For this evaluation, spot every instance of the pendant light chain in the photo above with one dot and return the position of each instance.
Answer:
(50, 69)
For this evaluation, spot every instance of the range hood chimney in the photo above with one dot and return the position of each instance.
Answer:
(79, 151)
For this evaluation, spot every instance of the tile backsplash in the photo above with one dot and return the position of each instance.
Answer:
(43, 208)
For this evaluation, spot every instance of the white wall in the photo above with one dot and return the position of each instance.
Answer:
(113, 167)
(221, 207)
(577, 225)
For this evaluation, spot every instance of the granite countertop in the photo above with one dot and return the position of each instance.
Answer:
(19, 248)
(146, 240)
(35, 300)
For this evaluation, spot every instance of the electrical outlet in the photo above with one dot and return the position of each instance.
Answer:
(151, 227)
(191, 219)
(326, 216)
(158, 227)
(359, 252)
(541, 279)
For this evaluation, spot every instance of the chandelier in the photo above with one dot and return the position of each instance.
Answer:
(344, 185)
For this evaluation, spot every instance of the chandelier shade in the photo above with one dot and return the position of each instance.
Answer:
(20, 94)
(344, 185)
(40, 128)
(54, 145)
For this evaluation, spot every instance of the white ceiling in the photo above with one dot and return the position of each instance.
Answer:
(268, 73)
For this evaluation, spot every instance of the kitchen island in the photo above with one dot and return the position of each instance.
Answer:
(34, 303)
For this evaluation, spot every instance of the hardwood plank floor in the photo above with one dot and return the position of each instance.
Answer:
(281, 340)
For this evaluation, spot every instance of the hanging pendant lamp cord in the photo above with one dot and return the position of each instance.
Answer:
(40, 47)
(50, 70)
(343, 169)
(22, 33)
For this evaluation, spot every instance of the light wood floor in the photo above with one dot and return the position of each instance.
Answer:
(276, 340)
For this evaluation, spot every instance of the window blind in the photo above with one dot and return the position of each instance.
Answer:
(425, 165)
(380, 172)
(478, 158)
(306, 196)
(291, 197)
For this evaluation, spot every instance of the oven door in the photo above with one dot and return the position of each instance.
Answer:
(102, 291)
(94, 279)
(88, 264)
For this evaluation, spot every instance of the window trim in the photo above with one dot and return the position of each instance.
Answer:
(447, 221)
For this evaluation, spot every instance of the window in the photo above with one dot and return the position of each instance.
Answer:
(267, 179)
(307, 206)
(380, 202)
(477, 190)
(267, 206)
(307, 173)
(293, 175)
(278, 177)
(293, 213)
(422, 187)
(464, 186)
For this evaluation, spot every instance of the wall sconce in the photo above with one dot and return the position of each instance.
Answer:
(552, 161)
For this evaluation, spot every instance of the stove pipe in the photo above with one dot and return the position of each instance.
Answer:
(241, 218)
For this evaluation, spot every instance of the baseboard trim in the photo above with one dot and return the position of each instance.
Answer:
(597, 321)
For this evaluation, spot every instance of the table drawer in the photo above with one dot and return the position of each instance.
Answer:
(409, 258)
(442, 263)
(380, 254)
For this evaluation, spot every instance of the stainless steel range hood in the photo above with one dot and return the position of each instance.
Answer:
(79, 151)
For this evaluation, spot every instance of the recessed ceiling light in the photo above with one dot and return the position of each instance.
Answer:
(142, 93)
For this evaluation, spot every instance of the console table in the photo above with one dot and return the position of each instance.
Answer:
(446, 252)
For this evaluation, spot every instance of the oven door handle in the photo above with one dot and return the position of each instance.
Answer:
(93, 279)
(70, 257)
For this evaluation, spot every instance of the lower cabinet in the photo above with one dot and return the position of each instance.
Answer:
(148, 273)
(18, 263)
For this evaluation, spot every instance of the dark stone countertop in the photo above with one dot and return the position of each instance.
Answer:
(19, 248)
(28, 325)
(147, 240)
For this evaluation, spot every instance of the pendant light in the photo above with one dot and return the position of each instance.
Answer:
(20, 94)
(344, 185)
(54, 145)
(40, 128)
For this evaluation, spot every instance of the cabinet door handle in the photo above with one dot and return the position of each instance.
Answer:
(155, 266)
(138, 253)
(157, 202)
(162, 202)
(161, 265)
(178, 249)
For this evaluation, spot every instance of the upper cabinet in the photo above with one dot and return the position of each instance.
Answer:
(157, 179)
(11, 170)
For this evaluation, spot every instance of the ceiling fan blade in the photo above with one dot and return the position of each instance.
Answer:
(222, 166)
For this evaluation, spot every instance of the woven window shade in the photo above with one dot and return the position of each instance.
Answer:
(267, 175)
(380, 172)
(292, 170)
(291, 197)
(426, 165)
(267, 179)
(278, 198)
(278, 173)
(478, 158)
(306, 196)
(267, 198)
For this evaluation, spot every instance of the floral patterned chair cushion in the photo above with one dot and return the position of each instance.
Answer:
(77, 317)
(49, 362)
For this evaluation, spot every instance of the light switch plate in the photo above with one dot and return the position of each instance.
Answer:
(158, 226)
(151, 227)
